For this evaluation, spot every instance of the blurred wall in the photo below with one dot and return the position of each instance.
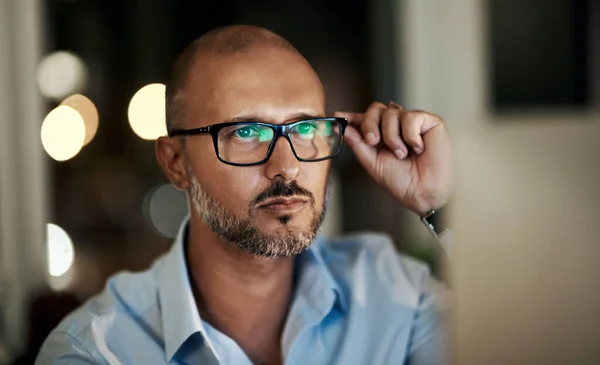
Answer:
(22, 169)
(524, 274)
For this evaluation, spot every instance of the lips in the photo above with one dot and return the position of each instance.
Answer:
(283, 205)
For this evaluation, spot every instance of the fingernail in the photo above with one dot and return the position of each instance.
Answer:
(399, 153)
(418, 150)
(371, 138)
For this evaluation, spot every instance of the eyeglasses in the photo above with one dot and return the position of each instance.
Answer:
(252, 143)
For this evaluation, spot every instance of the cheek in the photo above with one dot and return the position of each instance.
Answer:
(315, 176)
(233, 187)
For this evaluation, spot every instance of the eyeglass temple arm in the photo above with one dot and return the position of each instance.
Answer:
(187, 132)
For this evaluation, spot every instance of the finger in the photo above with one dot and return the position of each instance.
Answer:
(352, 117)
(438, 157)
(365, 154)
(415, 124)
(412, 123)
(390, 129)
(370, 125)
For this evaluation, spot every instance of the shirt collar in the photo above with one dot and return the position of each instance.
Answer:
(314, 255)
(179, 313)
(316, 294)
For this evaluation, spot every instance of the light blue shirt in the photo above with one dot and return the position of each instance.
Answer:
(356, 301)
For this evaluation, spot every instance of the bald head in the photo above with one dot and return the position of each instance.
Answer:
(220, 42)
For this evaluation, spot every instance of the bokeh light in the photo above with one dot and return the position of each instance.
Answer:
(60, 250)
(60, 74)
(86, 108)
(165, 208)
(63, 133)
(147, 112)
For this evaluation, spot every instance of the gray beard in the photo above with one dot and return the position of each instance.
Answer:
(244, 234)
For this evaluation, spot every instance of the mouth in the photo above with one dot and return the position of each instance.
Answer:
(283, 205)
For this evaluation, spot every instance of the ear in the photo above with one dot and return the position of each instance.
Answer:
(170, 153)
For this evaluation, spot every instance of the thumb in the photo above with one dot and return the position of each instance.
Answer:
(364, 153)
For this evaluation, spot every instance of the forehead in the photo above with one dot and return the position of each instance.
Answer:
(267, 82)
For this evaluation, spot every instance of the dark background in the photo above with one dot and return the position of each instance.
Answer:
(540, 54)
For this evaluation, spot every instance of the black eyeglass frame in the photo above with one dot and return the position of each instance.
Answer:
(281, 130)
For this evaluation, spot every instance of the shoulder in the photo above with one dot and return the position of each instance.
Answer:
(128, 306)
(371, 258)
(125, 294)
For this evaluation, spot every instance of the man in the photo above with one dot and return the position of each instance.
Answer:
(248, 281)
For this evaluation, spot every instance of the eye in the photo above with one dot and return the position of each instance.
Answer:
(306, 130)
(246, 132)
(249, 133)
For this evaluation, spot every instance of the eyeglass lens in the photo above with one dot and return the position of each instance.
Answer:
(249, 143)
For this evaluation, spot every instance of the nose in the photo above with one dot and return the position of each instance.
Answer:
(282, 164)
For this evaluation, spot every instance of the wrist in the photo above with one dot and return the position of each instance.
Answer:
(425, 203)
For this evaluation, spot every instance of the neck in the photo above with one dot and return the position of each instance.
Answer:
(244, 296)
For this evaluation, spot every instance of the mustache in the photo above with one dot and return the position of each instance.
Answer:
(280, 188)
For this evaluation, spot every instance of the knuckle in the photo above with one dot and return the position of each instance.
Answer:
(377, 105)
(389, 113)
(375, 109)
(411, 116)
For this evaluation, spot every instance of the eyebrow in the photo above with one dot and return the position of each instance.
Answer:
(256, 118)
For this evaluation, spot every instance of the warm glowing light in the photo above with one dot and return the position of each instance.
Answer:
(86, 108)
(147, 112)
(60, 250)
(60, 74)
(164, 209)
(63, 133)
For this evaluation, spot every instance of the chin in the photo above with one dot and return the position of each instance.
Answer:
(284, 224)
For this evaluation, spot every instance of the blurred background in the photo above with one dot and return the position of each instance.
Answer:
(518, 82)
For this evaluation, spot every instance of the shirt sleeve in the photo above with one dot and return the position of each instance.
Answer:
(60, 348)
(427, 341)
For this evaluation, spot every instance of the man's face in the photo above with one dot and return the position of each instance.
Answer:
(272, 209)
